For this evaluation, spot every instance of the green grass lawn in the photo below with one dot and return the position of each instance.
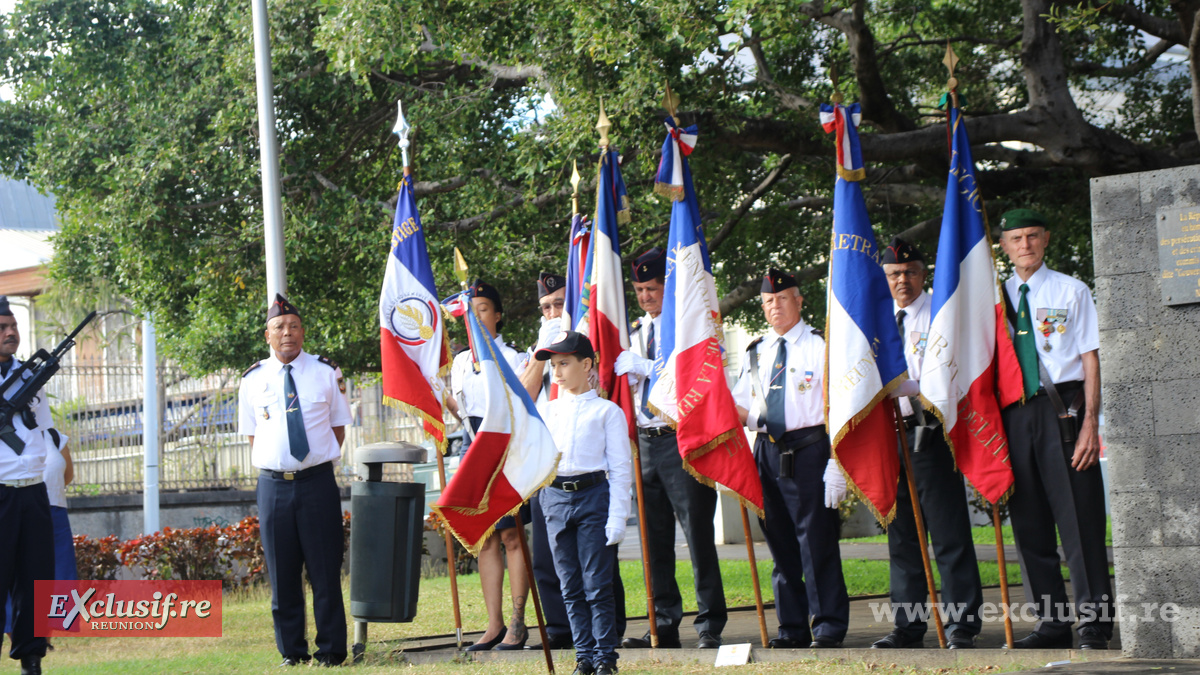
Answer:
(248, 646)
(985, 535)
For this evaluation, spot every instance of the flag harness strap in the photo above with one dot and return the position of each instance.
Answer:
(756, 385)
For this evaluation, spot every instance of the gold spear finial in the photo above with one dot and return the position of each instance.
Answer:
(575, 187)
(460, 268)
(671, 102)
(603, 125)
(951, 60)
(836, 97)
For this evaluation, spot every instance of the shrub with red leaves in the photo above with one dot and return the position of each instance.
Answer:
(97, 558)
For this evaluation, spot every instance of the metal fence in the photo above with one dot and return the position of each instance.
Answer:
(100, 408)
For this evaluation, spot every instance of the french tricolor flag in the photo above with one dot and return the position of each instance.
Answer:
(608, 324)
(688, 387)
(512, 456)
(969, 357)
(574, 310)
(865, 358)
(412, 340)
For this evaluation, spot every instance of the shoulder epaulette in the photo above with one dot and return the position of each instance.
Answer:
(637, 323)
(251, 368)
(512, 346)
(819, 333)
(754, 343)
(328, 361)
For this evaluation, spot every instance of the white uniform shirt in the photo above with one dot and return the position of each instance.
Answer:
(31, 463)
(1055, 300)
(56, 471)
(916, 330)
(591, 434)
(804, 375)
(640, 339)
(261, 412)
(467, 384)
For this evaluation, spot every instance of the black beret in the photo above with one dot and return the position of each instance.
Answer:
(776, 281)
(549, 283)
(281, 307)
(1019, 218)
(5, 310)
(899, 252)
(569, 342)
(482, 289)
(650, 265)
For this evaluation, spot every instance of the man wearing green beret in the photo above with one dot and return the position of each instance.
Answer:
(1054, 442)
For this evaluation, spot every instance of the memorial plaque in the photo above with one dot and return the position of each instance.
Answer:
(1179, 255)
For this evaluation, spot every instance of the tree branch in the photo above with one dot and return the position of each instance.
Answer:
(1145, 61)
(743, 208)
(1128, 13)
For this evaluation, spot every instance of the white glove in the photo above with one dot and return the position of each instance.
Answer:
(615, 535)
(549, 330)
(906, 388)
(632, 364)
(835, 484)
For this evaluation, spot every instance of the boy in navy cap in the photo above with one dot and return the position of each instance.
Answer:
(587, 503)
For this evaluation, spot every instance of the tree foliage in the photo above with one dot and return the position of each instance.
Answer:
(140, 115)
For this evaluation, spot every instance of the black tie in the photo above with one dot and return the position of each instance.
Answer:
(776, 409)
(900, 324)
(646, 384)
(9, 433)
(297, 438)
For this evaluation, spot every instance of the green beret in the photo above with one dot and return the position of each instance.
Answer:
(1019, 218)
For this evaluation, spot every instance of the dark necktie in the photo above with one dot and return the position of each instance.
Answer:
(900, 324)
(297, 438)
(646, 384)
(1026, 345)
(9, 433)
(776, 411)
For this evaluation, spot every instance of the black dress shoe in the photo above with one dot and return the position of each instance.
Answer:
(294, 661)
(561, 641)
(485, 646)
(960, 639)
(788, 643)
(606, 668)
(1036, 640)
(899, 640)
(824, 642)
(510, 646)
(583, 668)
(709, 641)
(1090, 637)
(667, 639)
(31, 665)
(326, 662)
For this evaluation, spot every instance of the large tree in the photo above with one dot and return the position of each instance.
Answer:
(140, 116)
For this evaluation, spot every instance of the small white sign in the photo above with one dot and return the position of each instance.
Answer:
(733, 655)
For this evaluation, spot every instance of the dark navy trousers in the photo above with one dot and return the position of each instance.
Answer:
(27, 555)
(803, 536)
(300, 522)
(586, 566)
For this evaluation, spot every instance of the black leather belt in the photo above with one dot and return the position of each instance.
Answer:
(327, 467)
(801, 438)
(580, 482)
(655, 432)
(1071, 387)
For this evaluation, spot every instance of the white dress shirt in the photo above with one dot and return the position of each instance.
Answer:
(916, 330)
(261, 412)
(466, 383)
(1055, 300)
(640, 339)
(56, 471)
(591, 434)
(804, 376)
(31, 463)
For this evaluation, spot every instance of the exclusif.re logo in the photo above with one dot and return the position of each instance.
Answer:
(128, 608)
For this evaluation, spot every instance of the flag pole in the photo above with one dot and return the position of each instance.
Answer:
(916, 507)
(537, 600)
(758, 601)
(603, 125)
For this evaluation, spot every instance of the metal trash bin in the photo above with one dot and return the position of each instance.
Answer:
(386, 538)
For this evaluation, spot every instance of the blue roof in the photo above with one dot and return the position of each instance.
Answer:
(22, 207)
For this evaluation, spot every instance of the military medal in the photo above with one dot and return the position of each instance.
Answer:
(266, 415)
(1046, 347)
(1062, 328)
(806, 385)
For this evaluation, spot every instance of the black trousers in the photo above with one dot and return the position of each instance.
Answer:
(803, 537)
(27, 555)
(1050, 493)
(554, 610)
(943, 502)
(300, 522)
(668, 489)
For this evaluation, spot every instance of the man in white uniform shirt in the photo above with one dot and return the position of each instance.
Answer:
(669, 489)
(779, 395)
(1055, 458)
(293, 407)
(28, 551)
(939, 485)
